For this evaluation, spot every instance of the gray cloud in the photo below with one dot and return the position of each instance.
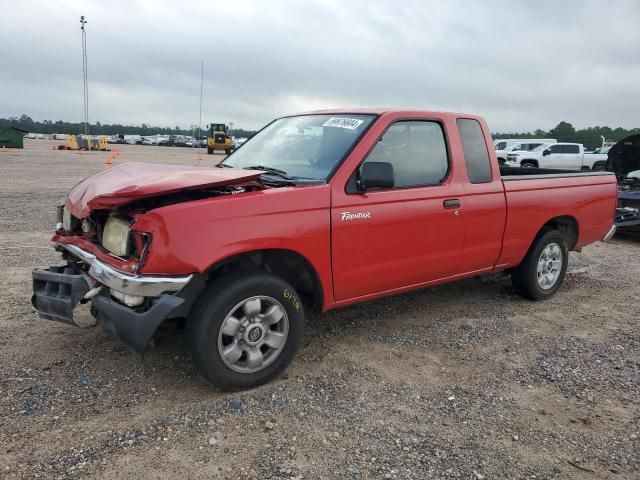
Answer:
(521, 64)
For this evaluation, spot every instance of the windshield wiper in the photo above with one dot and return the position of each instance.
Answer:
(223, 165)
(273, 171)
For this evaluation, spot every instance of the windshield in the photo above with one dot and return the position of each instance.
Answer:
(303, 147)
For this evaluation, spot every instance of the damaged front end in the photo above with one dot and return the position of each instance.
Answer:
(115, 296)
(624, 161)
(105, 253)
(628, 211)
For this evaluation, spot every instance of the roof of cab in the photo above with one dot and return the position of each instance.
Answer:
(381, 111)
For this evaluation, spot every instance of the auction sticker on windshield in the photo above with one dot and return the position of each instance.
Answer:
(340, 122)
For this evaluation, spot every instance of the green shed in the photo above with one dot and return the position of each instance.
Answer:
(12, 137)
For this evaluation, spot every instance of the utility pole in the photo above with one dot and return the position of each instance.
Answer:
(201, 83)
(84, 75)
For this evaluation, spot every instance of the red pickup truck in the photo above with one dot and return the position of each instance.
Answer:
(316, 211)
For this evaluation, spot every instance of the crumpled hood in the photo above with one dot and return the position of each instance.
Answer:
(624, 157)
(129, 182)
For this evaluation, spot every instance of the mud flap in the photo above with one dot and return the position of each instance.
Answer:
(56, 292)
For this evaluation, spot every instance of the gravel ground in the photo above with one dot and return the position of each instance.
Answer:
(464, 380)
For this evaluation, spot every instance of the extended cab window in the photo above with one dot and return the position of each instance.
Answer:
(475, 151)
(417, 151)
(501, 145)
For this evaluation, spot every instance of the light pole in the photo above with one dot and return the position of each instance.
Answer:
(84, 75)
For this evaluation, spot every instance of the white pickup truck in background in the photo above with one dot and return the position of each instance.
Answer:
(562, 156)
(506, 145)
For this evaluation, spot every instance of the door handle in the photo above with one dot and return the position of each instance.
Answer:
(451, 203)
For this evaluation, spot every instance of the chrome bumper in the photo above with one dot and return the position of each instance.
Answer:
(609, 234)
(141, 285)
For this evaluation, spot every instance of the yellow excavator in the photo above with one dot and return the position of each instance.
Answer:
(219, 139)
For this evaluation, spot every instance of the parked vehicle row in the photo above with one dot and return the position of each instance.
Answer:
(506, 145)
(169, 140)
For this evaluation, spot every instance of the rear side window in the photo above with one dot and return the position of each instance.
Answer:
(417, 151)
(571, 149)
(475, 151)
(501, 145)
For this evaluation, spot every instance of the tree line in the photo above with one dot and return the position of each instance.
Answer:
(25, 122)
(565, 132)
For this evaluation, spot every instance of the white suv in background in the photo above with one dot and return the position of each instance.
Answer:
(561, 156)
(504, 146)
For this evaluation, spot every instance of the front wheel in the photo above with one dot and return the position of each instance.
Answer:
(528, 165)
(227, 151)
(209, 151)
(245, 329)
(543, 269)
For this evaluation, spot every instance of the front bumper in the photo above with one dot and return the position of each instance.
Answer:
(58, 290)
(130, 284)
(628, 219)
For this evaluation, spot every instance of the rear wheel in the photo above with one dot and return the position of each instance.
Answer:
(209, 150)
(543, 269)
(245, 329)
(227, 151)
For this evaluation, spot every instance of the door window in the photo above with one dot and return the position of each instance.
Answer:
(556, 148)
(416, 149)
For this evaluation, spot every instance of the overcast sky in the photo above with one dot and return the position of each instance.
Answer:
(521, 64)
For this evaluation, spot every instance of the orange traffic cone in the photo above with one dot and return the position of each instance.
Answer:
(14, 153)
(108, 162)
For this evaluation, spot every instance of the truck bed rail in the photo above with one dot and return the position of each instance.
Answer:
(520, 173)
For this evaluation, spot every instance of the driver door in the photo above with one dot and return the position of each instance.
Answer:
(389, 239)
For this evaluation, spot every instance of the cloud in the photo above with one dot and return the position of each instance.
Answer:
(521, 64)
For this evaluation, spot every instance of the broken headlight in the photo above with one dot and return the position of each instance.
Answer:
(66, 221)
(115, 236)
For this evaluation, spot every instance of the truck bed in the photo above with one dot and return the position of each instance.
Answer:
(589, 198)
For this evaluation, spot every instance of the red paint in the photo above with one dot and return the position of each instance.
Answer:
(128, 182)
(410, 240)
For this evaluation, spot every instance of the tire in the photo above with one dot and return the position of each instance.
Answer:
(528, 164)
(599, 167)
(209, 151)
(526, 279)
(234, 296)
(227, 151)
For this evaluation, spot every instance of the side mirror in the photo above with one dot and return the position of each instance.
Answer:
(546, 152)
(376, 175)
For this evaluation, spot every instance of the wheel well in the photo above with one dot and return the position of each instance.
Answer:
(529, 160)
(287, 264)
(567, 226)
